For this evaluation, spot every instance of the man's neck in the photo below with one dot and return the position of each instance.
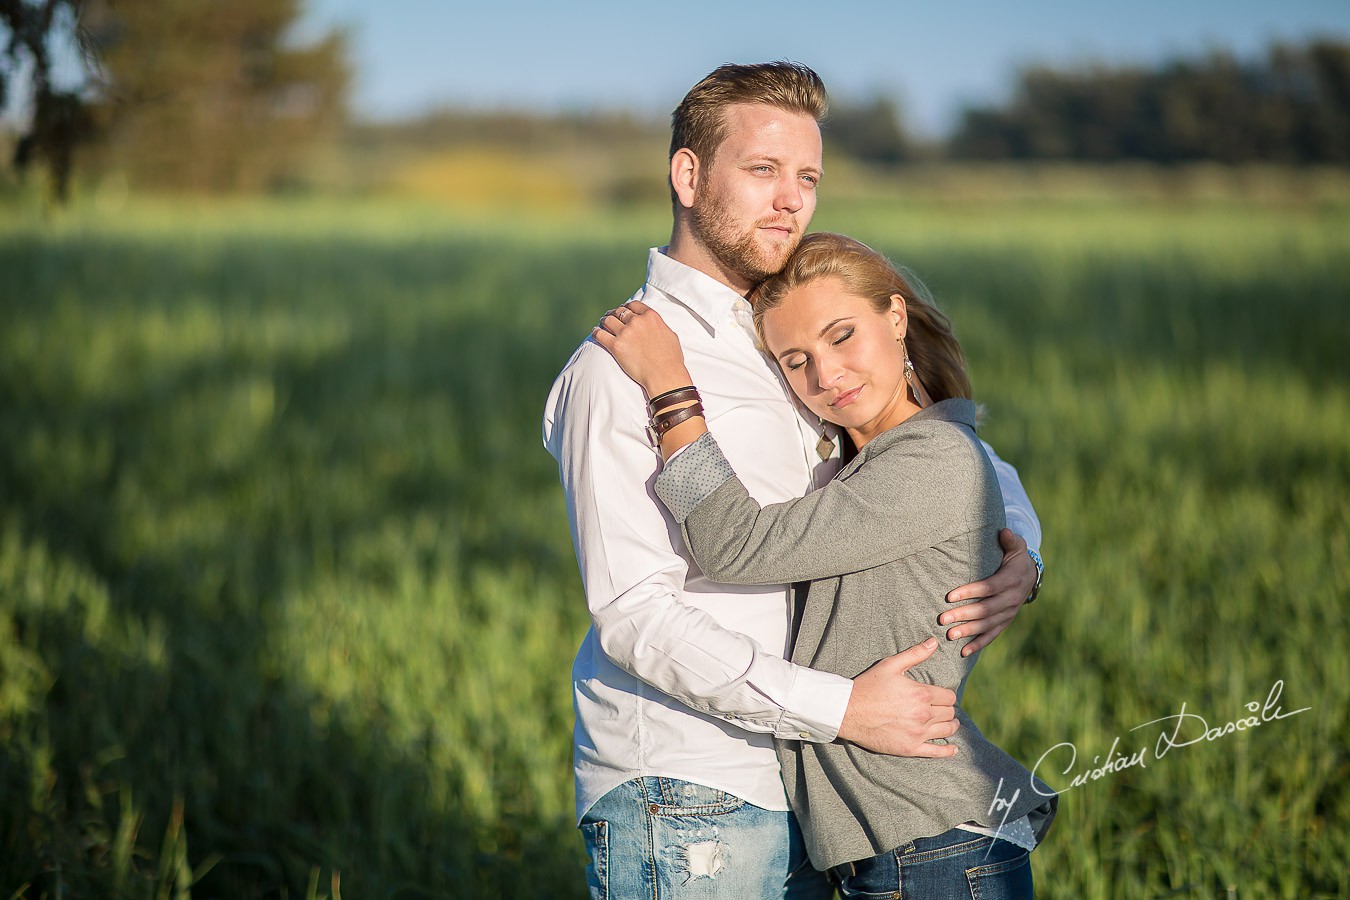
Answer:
(689, 250)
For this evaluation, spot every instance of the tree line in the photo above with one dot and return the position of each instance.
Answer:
(1292, 106)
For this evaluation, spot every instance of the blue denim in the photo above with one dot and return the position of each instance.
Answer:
(666, 839)
(954, 865)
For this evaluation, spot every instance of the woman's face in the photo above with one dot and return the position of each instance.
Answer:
(841, 356)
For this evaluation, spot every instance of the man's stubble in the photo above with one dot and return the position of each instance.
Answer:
(735, 250)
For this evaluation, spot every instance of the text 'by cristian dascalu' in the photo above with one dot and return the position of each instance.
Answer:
(1183, 729)
(1175, 732)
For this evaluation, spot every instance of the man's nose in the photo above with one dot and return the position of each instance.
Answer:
(788, 198)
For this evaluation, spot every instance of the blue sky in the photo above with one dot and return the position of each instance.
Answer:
(412, 55)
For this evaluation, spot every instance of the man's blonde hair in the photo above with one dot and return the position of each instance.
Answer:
(699, 122)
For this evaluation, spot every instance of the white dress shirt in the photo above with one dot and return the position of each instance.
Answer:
(680, 676)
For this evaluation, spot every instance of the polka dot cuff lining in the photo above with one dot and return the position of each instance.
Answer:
(689, 478)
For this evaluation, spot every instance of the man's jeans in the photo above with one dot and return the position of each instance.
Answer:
(662, 837)
(953, 865)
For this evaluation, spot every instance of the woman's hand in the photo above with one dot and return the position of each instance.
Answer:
(644, 347)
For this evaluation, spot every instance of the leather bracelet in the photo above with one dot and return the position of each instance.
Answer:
(663, 423)
(670, 398)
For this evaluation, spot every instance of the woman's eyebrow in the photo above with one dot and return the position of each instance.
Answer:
(834, 323)
(822, 334)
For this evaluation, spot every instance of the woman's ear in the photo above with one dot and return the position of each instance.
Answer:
(899, 316)
(684, 173)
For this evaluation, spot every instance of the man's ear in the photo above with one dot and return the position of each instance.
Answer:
(684, 174)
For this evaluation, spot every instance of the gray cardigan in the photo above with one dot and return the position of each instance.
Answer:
(914, 515)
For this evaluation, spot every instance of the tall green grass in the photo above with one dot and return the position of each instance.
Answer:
(288, 602)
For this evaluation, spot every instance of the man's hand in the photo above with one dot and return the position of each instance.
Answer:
(889, 712)
(1002, 595)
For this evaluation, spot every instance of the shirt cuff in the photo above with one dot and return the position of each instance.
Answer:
(688, 479)
(1025, 528)
(815, 707)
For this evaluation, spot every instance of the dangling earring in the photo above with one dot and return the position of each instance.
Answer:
(825, 446)
(912, 377)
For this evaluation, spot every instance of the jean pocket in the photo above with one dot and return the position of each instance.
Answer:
(1004, 879)
(597, 853)
(870, 879)
(674, 797)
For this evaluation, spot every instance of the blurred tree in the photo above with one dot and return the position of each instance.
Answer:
(59, 119)
(872, 131)
(211, 96)
(1291, 107)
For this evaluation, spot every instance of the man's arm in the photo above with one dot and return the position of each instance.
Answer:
(1003, 593)
(634, 580)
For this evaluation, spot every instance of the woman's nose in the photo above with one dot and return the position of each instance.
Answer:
(828, 372)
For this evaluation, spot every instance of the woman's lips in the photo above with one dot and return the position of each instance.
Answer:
(846, 398)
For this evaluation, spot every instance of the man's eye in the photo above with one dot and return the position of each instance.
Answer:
(811, 180)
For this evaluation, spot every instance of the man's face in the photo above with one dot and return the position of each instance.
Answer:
(752, 205)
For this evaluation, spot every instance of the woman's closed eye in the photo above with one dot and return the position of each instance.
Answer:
(842, 336)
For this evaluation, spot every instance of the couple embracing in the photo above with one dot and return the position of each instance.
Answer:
(793, 546)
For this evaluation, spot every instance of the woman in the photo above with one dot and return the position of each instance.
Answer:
(917, 511)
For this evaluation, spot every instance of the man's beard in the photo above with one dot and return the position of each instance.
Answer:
(738, 252)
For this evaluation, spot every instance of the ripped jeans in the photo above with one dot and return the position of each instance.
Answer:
(667, 838)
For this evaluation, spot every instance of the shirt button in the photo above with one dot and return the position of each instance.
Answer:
(804, 735)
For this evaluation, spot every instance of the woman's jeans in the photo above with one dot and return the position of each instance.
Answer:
(955, 865)
(667, 838)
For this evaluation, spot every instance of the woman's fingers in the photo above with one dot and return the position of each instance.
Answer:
(621, 317)
(610, 325)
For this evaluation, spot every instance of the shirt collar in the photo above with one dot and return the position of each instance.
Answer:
(706, 297)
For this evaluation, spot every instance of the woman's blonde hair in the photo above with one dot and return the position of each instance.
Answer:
(933, 348)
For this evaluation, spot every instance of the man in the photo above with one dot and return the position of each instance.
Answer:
(680, 686)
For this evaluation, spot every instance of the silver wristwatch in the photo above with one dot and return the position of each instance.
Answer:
(1040, 571)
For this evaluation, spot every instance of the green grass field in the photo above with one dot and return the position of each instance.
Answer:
(288, 602)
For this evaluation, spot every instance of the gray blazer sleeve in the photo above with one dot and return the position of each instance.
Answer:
(922, 489)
